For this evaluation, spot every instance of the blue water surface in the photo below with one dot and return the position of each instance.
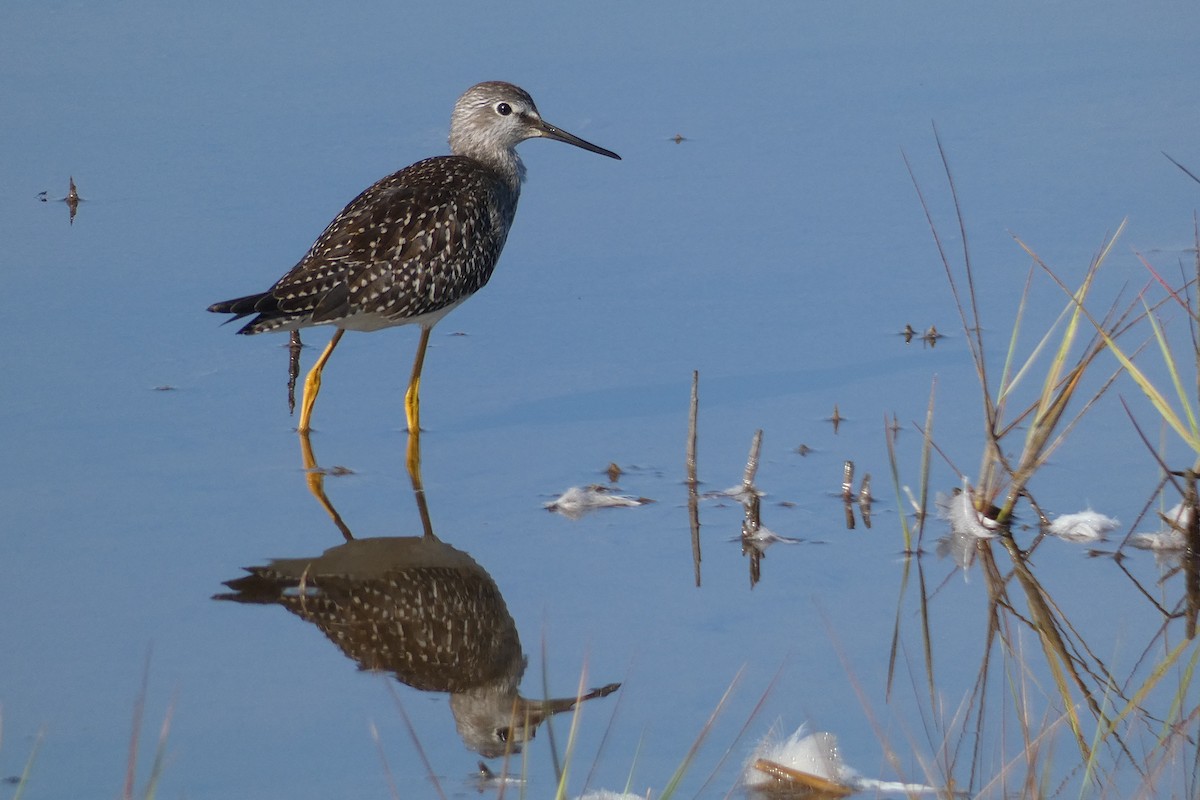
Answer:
(778, 248)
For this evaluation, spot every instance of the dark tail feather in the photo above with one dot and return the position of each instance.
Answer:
(255, 588)
(241, 306)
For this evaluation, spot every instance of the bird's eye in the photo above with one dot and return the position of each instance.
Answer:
(503, 109)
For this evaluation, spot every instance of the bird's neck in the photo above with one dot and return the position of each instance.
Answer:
(504, 160)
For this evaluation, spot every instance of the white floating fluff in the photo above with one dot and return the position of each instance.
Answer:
(1170, 538)
(814, 753)
(742, 493)
(577, 501)
(1083, 526)
(1159, 540)
(1180, 516)
(766, 536)
(959, 510)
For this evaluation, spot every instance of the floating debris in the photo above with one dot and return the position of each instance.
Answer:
(335, 471)
(679, 139)
(577, 501)
(1083, 526)
(809, 765)
(613, 472)
(72, 199)
(741, 493)
(836, 419)
(803, 449)
(166, 387)
(488, 779)
(1171, 538)
(965, 519)
(960, 547)
(763, 537)
(929, 337)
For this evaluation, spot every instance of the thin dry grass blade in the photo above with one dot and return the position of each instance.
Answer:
(1058, 655)
(139, 708)
(1186, 171)
(1177, 702)
(926, 459)
(971, 331)
(1156, 398)
(889, 438)
(681, 770)
(1173, 371)
(572, 735)
(160, 752)
(1161, 405)
(1156, 675)
(1183, 302)
(387, 768)
(1007, 385)
(416, 740)
(976, 329)
(758, 707)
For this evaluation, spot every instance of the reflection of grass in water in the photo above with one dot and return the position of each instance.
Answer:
(160, 751)
(1110, 718)
(23, 780)
(128, 792)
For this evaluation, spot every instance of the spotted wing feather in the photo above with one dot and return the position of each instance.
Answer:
(415, 242)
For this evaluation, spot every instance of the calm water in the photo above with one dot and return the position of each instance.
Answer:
(778, 249)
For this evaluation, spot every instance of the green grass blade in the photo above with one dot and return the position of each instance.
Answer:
(1173, 371)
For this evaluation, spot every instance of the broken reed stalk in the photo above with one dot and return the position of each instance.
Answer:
(752, 460)
(691, 441)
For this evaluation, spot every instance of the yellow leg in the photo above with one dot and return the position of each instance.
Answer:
(312, 383)
(315, 477)
(412, 398)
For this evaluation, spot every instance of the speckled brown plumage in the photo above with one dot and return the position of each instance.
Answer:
(416, 243)
(425, 612)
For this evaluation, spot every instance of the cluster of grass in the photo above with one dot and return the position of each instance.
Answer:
(1142, 727)
(129, 791)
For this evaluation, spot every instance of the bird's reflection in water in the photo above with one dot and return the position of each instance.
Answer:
(418, 608)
